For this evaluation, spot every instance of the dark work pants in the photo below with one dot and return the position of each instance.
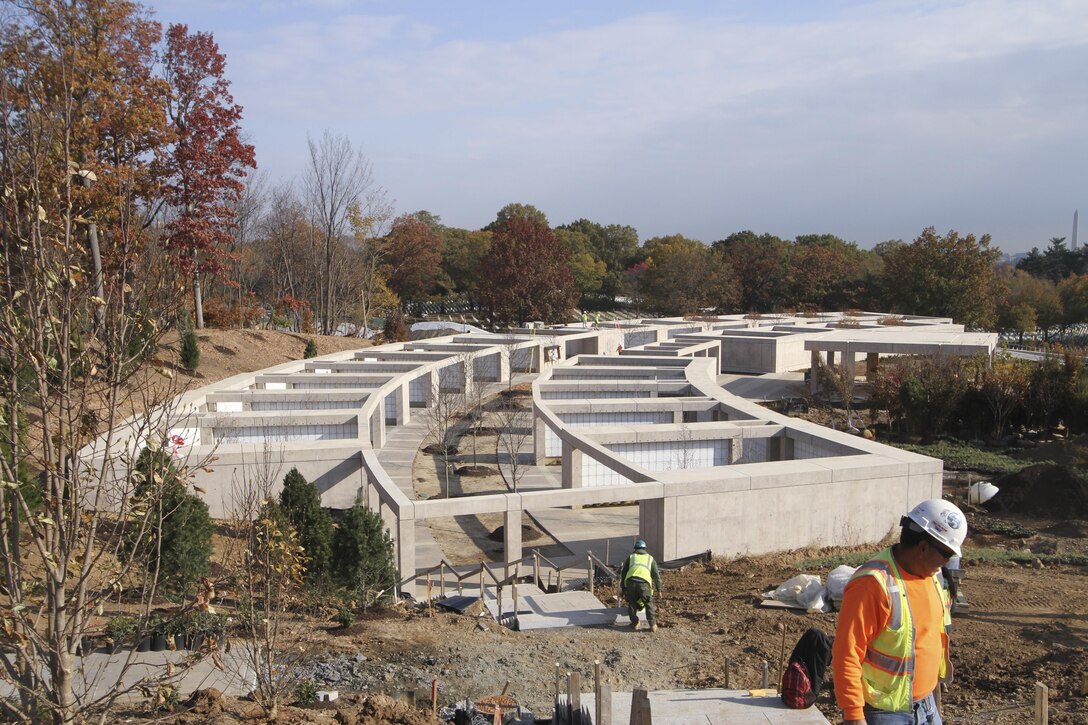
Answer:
(635, 590)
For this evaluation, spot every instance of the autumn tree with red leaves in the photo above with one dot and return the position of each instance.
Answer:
(413, 257)
(208, 160)
(528, 274)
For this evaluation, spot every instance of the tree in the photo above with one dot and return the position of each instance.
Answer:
(71, 326)
(412, 258)
(190, 345)
(270, 571)
(1055, 264)
(179, 555)
(527, 273)
(825, 273)
(950, 276)
(517, 211)
(1073, 292)
(615, 245)
(1029, 303)
(300, 502)
(362, 555)
(683, 276)
(207, 161)
(1004, 386)
(339, 186)
(513, 432)
(761, 266)
(588, 271)
(464, 258)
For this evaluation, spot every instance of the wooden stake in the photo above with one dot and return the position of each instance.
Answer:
(782, 650)
(434, 697)
(1042, 704)
(1083, 689)
(556, 708)
(640, 708)
(574, 693)
(726, 671)
(597, 691)
(604, 704)
(766, 674)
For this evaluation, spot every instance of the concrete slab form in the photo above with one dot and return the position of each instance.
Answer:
(708, 470)
(710, 707)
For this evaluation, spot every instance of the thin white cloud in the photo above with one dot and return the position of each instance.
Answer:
(883, 99)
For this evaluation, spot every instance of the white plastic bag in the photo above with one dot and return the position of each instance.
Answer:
(803, 590)
(837, 579)
(811, 597)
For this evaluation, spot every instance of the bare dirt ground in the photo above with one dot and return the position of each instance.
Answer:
(1028, 622)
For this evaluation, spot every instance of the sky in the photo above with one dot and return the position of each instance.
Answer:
(867, 120)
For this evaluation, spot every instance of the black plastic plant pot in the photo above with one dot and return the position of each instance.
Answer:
(158, 642)
(144, 645)
(181, 641)
(113, 648)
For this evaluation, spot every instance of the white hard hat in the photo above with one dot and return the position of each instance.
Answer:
(941, 520)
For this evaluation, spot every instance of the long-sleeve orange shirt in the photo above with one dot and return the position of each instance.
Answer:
(864, 613)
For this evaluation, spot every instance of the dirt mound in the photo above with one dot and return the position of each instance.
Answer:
(476, 471)
(528, 533)
(1042, 489)
(1072, 529)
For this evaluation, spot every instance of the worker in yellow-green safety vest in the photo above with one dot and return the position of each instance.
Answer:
(641, 580)
(891, 645)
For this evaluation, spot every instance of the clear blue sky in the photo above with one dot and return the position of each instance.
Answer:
(869, 120)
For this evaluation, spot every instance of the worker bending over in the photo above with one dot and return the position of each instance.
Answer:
(641, 579)
(891, 644)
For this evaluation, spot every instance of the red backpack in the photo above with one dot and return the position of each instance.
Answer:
(797, 691)
(804, 676)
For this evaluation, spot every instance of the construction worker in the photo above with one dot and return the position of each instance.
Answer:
(891, 644)
(641, 579)
(585, 319)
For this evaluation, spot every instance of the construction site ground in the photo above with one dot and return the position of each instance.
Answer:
(1028, 623)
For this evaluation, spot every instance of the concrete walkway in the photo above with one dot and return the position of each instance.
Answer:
(98, 672)
(708, 707)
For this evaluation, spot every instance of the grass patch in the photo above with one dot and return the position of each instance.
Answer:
(964, 456)
(989, 555)
(981, 555)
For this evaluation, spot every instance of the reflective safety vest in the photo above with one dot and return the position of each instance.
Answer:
(887, 672)
(638, 567)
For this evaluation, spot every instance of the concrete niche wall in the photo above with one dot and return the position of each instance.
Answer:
(835, 513)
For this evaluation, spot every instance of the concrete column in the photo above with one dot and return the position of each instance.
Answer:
(430, 388)
(813, 385)
(502, 367)
(572, 466)
(404, 404)
(405, 545)
(736, 449)
(849, 365)
(468, 373)
(654, 527)
(377, 427)
(511, 538)
(831, 358)
(539, 447)
(872, 360)
(370, 495)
